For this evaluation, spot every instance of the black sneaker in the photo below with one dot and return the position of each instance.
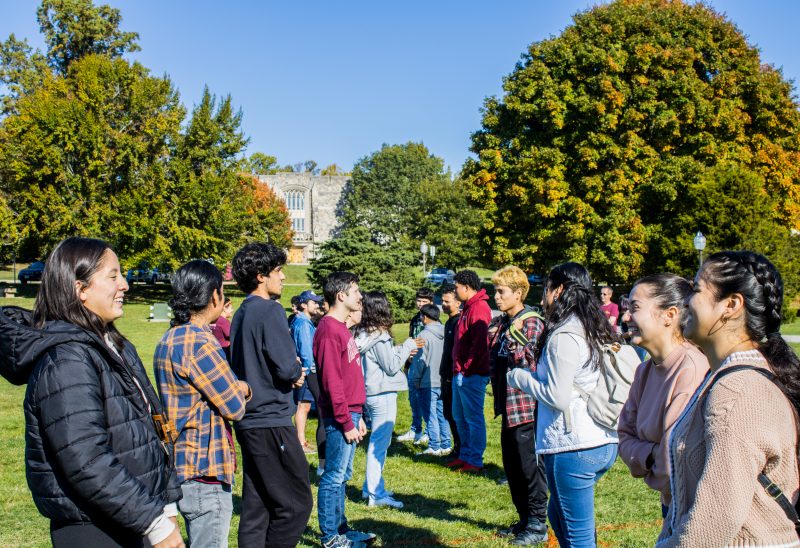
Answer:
(512, 530)
(534, 533)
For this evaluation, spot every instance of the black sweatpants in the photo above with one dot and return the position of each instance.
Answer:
(447, 403)
(276, 494)
(89, 534)
(524, 470)
(312, 380)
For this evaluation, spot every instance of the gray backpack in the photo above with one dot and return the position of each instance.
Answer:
(617, 369)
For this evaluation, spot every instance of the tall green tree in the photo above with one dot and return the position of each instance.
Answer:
(382, 195)
(594, 148)
(381, 267)
(75, 28)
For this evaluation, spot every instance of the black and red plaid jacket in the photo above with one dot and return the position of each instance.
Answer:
(519, 407)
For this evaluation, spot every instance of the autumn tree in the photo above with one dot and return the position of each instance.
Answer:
(596, 148)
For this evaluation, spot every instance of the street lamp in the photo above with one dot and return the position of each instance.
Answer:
(433, 255)
(423, 248)
(700, 245)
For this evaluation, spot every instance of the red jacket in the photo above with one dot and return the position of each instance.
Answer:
(471, 347)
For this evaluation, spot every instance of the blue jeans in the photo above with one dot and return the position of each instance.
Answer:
(438, 429)
(339, 457)
(571, 477)
(468, 395)
(206, 509)
(383, 410)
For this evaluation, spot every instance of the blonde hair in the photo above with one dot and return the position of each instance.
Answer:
(514, 278)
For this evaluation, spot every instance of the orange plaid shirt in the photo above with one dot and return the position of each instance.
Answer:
(200, 393)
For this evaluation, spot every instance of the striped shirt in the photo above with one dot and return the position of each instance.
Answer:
(200, 394)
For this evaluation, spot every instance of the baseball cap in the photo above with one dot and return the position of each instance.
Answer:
(308, 295)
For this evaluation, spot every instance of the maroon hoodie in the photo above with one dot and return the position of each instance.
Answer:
(341, 377)
(471, 347)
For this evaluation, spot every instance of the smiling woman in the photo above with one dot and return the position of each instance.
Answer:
(109, 480)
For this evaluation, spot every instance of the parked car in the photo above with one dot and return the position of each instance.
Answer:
(146, 275)
(438, 276)
(32, 273)
(536, 278)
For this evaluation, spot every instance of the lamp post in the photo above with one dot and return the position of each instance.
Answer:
(433, 255)
(423, 248)
(700, 245)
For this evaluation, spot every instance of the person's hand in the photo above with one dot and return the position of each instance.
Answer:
(299, 382)
(174, 519)
(413, 353)
(353, 436)
(174, 540)
(362, 428)
(420, 342)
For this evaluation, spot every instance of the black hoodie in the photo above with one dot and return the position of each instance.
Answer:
(92, 453)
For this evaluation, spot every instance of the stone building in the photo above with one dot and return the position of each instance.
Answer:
(312, 201)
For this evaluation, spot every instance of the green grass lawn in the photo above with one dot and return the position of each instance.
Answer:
(441, 507)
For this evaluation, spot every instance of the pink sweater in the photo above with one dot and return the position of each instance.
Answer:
(657, 397)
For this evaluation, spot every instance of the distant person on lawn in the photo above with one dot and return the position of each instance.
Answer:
(452, 307)
(416, 433)
(276, 494)
(471, 371)
(303, 329)
(428, 380)
(200, 394)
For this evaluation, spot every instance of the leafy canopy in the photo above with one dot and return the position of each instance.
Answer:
(595, 150)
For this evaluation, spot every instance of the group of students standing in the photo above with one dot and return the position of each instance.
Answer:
(710, 421)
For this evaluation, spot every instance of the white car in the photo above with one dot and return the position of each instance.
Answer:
(439, 276)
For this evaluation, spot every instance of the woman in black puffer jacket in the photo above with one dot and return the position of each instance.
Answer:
(97, 459)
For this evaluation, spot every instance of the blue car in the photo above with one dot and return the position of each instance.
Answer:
(32, 273)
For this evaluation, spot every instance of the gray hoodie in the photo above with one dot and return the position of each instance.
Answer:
(424, 370)
(383, 362)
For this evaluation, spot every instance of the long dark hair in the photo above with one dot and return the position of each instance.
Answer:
(193, 285)
(577, 299)
(754, 277)
(73, 260)
(668, 290)
(376, 313)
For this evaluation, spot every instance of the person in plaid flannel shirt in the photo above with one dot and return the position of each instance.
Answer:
(513, 336)
(200, 394)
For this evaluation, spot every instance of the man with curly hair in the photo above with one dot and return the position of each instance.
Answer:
(276, 494)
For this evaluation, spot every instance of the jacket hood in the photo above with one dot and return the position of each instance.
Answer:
(435, 329)
(22, 345)
(479, 296)
(365, 341)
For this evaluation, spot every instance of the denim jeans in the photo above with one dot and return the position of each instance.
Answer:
(206, 509)
(383, 410)
(339, 457)
(468, 396)
(571, 477)
(438, 429)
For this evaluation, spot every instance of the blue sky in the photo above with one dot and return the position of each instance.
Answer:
(332, 81)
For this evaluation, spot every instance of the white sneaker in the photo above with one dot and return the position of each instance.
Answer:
(408, 436)
(429, 452)
(445, 452)
(422, 440)
(365, 495)
(386, 501)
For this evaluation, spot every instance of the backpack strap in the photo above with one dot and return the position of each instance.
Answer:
(772, 490)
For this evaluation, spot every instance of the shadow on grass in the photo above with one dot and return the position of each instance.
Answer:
(395, 534)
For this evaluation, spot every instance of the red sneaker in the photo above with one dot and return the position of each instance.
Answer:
(470, 469)
(455, 463)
